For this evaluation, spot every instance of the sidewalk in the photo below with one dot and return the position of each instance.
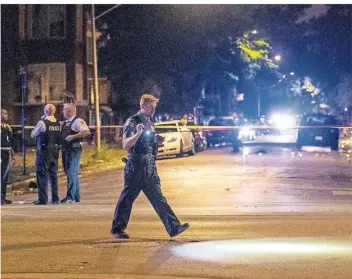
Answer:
(110, 159)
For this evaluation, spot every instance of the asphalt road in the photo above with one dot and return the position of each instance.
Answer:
(269, 212)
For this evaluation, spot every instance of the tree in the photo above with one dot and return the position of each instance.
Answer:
(211, 47)
(319, 48)
(343, 97)
(192, 45)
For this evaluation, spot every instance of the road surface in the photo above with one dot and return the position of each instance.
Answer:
(269, 212)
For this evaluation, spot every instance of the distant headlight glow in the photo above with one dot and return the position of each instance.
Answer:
(283, 121)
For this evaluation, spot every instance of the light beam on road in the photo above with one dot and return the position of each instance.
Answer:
(256, 251)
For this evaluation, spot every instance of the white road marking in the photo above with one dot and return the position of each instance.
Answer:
(342, 193)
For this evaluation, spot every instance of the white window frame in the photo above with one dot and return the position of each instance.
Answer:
(45, 83)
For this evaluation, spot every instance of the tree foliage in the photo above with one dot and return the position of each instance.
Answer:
(343, 97)
(256, 51)
(183, 49)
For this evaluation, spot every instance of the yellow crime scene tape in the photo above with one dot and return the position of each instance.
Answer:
(197, 127)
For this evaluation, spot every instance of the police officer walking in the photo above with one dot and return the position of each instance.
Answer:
(73, 131)
(140, 173)
(7, 155)
(48, 138)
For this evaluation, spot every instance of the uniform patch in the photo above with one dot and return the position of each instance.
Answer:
(131, 124)
(54, 128)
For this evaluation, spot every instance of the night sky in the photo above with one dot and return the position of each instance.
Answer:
(177, 47)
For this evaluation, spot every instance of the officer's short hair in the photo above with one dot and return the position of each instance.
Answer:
(147, 98)
(49, 109)
(72, 106)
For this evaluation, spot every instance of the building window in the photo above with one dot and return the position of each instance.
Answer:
(56, 81)
(79, 82)
(46, 82)
(34, 83)
(48, 21)
(89, 50)
(79, 23)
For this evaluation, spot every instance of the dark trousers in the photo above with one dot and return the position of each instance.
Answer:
(46, 165)
(5, 168)
(141, 175)
(70, 161)
(236, 143)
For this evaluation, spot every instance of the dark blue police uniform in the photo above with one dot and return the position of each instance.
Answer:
(140, 174)
(6, 153)
(46, 164)
(71, 156)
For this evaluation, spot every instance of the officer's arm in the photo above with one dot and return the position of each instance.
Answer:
(80, 135)
(130, 135)
(11, 137)
(128, 143)
(12, 145)
(38, 129)
(83, 130)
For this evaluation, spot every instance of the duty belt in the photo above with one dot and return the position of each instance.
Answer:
(140, 158)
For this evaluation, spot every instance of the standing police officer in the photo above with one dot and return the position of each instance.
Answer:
(7, 157)
(140, 173)
(73, 131)
(48, 139)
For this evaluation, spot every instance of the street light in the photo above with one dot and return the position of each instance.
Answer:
(292, 74)
(23, 71)
(95, 78)
(254, 32)
(277, 57)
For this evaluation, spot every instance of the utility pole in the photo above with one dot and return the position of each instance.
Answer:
(96, 85)
(258, 94)
(95, 77)
(23, 91)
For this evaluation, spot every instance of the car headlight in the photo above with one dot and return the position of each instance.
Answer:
(173, 139)
(283, 121)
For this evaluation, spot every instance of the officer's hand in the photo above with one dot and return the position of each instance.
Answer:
(13, 161)
(70, 137)
(160, 139)
(140, 129)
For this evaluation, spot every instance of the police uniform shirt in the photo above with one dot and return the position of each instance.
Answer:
(129, 129)
(6, 137)
(78, 125)
(146, 142)
(40, 127)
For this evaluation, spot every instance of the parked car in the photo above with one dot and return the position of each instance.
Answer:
(178, 139)
(314, 135)
(220, 136)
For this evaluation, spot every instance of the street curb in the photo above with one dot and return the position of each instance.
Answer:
(13, 186)
(23, 185)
